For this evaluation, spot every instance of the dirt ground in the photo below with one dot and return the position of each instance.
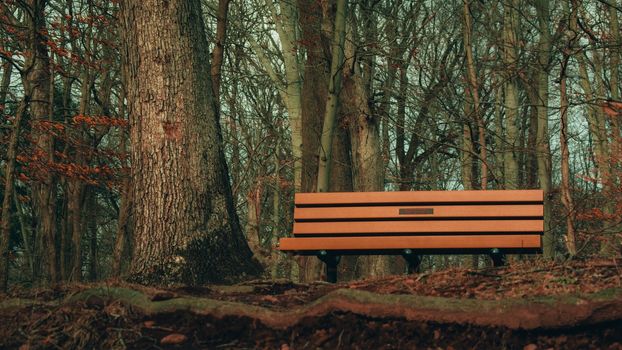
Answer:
(575, 305)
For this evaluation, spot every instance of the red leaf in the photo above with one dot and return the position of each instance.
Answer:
(173, 339)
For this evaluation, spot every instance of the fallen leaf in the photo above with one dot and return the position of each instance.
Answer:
(173, 339)
(149, 324)
(530, 347)
(270, 298)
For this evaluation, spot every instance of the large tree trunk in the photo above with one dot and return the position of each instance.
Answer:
(38, 82)
(185, 225)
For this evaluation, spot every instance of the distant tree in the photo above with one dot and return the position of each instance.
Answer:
(185, 225)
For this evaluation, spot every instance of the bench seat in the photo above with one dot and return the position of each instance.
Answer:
(411, 223)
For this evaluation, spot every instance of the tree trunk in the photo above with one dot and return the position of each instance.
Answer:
(616, 51)
(543, 149)
(25, 232)
(364, 127)
(91, 230)
(499, 155)
(123, 238)
(7, 70)
(472, 92)
(38, 83)
(315, 31)
(218, 52)
(185, 226)
(277, 228)
(9, 175)
(510, 60)
(566, 197)
(76, 186)
(253, 216)
(332, 101)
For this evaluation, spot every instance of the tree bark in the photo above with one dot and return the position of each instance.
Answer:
(364, 127)
(566, 196)
(123, 239)
(186, 229)
(543, 148)
(314, 26)
(37, 81)
(616, 51)
(9, 178)
(218, 52)
(7, 70)
(510, 60)
(91, 230)
(472, 92)
(332, 101)
(76, 186)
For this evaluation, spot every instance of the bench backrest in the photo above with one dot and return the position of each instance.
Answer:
(411, 213)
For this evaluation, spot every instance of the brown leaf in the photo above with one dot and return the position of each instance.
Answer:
(530, 347)
(149, 324)
(270, 298)
(173, 339)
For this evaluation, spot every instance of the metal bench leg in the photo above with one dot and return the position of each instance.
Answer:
(498, 258)
(412, 260)
(331, 262)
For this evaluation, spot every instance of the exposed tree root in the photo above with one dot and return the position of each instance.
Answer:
(533, 313)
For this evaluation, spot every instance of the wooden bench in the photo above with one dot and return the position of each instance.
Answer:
(497, 222)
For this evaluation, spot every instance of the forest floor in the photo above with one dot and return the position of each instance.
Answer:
(572, 305)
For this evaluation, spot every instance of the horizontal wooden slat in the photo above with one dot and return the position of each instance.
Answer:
(388, 227)
(413, 242)
(344, 198)
(393, 212)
